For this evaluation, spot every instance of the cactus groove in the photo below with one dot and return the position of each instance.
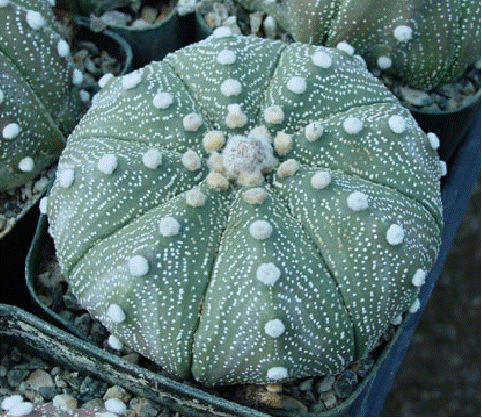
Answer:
(246, 210)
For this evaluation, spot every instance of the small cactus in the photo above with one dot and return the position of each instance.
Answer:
(39, 100)
(425, 42)
(246, 210)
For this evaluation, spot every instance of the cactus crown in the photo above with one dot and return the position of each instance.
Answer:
(425, 42)
(39, 101)
(245, 210)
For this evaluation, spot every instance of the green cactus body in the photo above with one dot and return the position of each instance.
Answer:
(39, 100)
(425, 42)
(246, 210)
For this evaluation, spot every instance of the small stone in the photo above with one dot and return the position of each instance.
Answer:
(93, 403)
(16, 376)
(415, 97)
(294, 406)
(40, 378)
(149, 14)
(306, 384)
(65, 402)
(115, 405)
(144, 408)
(82, 323)
(118, 393)
(48, 393)
(346, 383)
(329, 399)
(325, 384)
(92, 388)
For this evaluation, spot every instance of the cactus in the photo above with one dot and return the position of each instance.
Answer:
(425, 42)
(39, 100)
(247, 210)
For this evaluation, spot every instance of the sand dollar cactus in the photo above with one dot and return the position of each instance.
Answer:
(40, 101)
(426, 42)
(247, 211)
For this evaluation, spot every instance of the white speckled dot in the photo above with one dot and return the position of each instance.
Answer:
(169, 226)
(321, 179)
(114, 342)
(138, 265)
(346, 47)
(195, 197)
(260, 229)
(231, 87)
(152, 158)
(213, 141)
(191, 160)
(321, 59)
(255, 196)
(314, 131)
(35, 20)
(434, 140)
(419, 277)
(129, 81)
(235, 118)
(357, 201)
(403, 33)
(226, 57)
(397, 124)
(116, 314)
(63, 48)
(352, 125)
(384, 62)
(192, 122)
(10, 131)
(274, 114)
(277, 373)
(395, 234)
(297, 85)
(162, 100)
(26, 164)
(274, 328)
(107, 163)
(66, 177)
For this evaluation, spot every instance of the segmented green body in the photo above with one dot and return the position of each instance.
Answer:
(39, 101)
(426, 42)
(247, 211)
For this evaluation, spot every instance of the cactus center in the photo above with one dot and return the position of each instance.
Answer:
(247, 158)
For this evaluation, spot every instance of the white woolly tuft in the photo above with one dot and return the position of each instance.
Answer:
(129, 81)
(297, 85)
(11, 131)
(395, 234)
(352, 125)
(255, 196)
(260, 230)
(268, 273)
(152, 158)
(77, 77)
(384, 62)
(107, 163)
(277, 373)
(419, 277)
(443, 168)
(274, 328)
(217, 181)
(66, 177)
(114, 342)
(346, 47)
(195, 197)
(162, 100)
(10, 401)
(321, 179)
(105, 79)
(434, 140)
(138, 265)
(169, 226)
(288, 168)
(213, 141)
(63, 48)
(314, 131)
(115, 405)
(357, 201)
(26, 164)
(321, 59)
(415, 306)
(236, 118)
(397, 124)
(21, 409)
(403, 33)
(397, 320)
(231, 87)
(226, 57)
(191, 160)
(283, 142)
(192, 122)
(274, 114)
(35, 20)
(116, 314)
(84, 96)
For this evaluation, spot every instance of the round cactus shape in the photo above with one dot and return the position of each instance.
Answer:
(40, 101)
(246, 210)
(425, 42)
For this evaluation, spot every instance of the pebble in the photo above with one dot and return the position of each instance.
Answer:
(91, 388)
(329, 399)
(326, 384)
(346, 383)
(118, 393)
(415, 97)
(40, 379)
(65, 402)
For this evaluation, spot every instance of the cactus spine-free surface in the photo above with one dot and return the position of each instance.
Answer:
(425, 42)
(247, 211)
(40, 101)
